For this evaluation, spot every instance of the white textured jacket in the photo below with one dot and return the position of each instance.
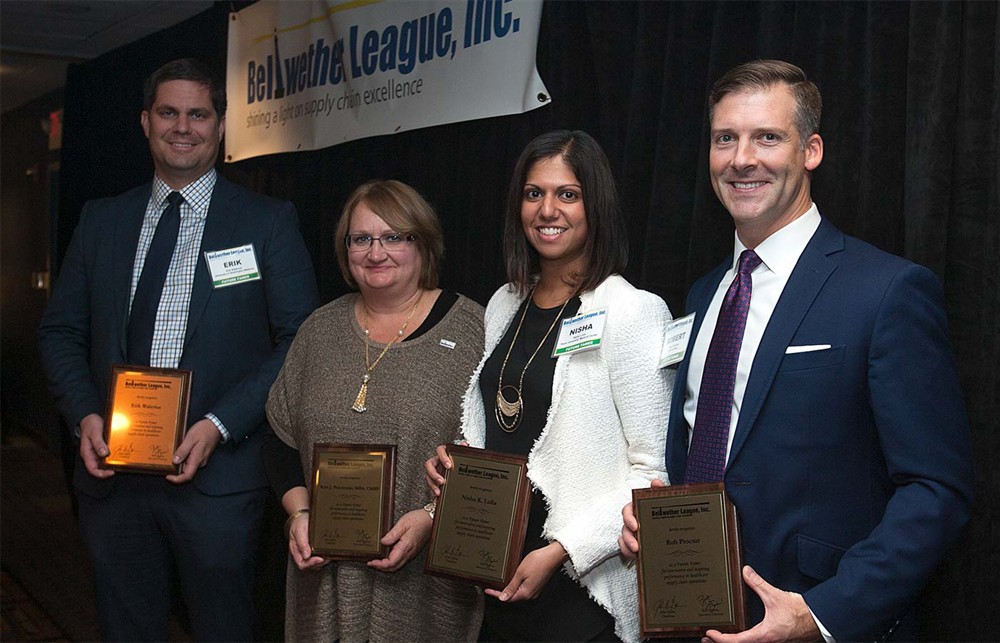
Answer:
(604, 435)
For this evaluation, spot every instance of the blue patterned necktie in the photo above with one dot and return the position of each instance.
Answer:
(146, 300)
(707, 457)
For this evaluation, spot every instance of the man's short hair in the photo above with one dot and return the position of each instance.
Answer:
(186, 69)
(762, 75)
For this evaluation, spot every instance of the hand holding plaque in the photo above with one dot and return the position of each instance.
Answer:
(689, 561)
(481, 517)
(146, 419)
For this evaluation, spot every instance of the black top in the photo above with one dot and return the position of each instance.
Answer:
(282, 462)
(563, 611)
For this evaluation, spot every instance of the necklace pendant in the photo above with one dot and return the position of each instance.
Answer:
(507, 407)
(508, 413)
(507, 423)
(359, 401)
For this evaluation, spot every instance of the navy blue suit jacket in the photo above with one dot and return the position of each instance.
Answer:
(236, 337)
(850, 467)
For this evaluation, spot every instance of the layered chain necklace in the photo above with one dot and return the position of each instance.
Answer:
(359, 401)
(508, 412)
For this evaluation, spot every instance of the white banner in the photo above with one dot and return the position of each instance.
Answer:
(308, 75)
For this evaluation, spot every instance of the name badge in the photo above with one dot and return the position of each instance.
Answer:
(675, 343)
(232, 266)
(580, 333)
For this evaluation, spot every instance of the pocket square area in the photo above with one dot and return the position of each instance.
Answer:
(807, 349)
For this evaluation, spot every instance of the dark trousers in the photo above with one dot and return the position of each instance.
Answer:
(147, 531)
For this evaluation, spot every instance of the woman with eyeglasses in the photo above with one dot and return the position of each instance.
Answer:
(591, 421)
(384, 365)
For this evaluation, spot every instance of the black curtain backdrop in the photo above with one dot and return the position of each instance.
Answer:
(911, 125)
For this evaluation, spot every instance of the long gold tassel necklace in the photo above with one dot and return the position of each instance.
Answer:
(508, 412)
(359, 401)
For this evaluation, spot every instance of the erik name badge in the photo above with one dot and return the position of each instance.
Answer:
(232, 266)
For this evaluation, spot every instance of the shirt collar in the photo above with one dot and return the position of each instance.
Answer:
(780, 251)
(197, 194)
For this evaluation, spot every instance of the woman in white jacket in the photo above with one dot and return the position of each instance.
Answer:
(592, 423)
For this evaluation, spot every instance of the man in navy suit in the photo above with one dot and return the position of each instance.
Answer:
(848, 454)
(201, 525)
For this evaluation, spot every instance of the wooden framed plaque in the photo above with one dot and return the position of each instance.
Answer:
(690, 561)
(146, 418)
(481, 517)
(351, 500)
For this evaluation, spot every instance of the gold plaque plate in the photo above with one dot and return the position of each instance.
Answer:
(146, 418)
(481, 517)
(689, 561)
(351, 500)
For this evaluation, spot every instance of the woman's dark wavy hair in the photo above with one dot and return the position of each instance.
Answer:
(607, 241)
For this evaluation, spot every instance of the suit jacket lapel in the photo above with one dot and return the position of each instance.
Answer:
(127, 230)
(814, 267)
(677, 433)
(220, 225)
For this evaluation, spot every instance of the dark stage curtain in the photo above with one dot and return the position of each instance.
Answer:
(911, 127)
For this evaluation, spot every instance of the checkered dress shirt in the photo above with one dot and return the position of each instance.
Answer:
(172, 314)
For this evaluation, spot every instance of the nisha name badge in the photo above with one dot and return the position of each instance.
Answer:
(232, 266)
(581, 333)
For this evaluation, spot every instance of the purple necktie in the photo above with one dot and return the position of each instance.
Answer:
(707, 457)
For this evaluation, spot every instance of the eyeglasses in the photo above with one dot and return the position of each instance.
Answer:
(391, 241)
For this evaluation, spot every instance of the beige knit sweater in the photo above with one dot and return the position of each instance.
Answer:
(413, 402)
